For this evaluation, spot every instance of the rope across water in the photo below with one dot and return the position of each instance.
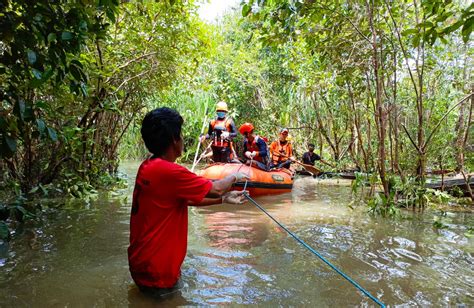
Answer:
(340, 272)
(247, 180)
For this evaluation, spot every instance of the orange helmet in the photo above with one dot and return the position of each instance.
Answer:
(246, 128)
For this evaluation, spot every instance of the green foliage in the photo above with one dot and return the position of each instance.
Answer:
(194, 107)
(438, 221)
(4, 231)
(383, 206)
(41, 40)
(361, 180)
(438, 197)
(443, 18)
(377, 202)
(76, 76)
(469, 232)
(413, 194)
(370, 69)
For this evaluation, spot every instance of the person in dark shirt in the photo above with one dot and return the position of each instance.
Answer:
(310, 157)
(255, 148)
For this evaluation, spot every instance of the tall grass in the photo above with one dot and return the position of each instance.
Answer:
(192, 107)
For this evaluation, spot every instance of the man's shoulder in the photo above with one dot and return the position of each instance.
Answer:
(160, 165)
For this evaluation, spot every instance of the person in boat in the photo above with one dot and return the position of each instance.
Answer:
(221, 131)
(255, 148)
(281, 151)
(159, 215)
(310, 157)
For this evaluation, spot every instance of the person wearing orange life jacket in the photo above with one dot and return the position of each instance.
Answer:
(281, 151)
(255, 148)
(221, 131)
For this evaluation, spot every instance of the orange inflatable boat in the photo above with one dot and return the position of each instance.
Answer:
(260, 183)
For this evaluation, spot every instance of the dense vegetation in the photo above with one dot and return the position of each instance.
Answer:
(385, 87)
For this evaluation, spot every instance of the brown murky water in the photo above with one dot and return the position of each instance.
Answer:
(77, 257)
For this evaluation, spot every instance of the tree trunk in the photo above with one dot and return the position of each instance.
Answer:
(380, 115)
(458, 143)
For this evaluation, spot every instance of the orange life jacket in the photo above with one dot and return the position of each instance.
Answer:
(222, 125)
(252, 146)
(277, 148)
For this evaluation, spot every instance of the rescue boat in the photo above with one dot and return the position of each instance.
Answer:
(261, 182)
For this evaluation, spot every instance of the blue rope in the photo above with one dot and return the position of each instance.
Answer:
(318, 254)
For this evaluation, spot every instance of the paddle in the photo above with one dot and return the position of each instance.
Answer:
(199, 143)
(311, 169)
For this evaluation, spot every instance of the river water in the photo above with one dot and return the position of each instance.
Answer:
(77, 256)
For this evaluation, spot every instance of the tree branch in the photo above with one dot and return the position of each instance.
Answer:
(405, 54)
(441, 120)
(411, 139)
(129, 79)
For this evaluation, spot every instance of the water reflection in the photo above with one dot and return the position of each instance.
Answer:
(237, 255)
(234, 228)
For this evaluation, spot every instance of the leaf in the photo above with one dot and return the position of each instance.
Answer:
(10, 143)
(31, 56)
(416, 40)
(4, 232)
(83, 26)
(77, 63)
(37, 73)
(19, 109)
(28, 114)
(409, 31)
(74, 70)
(41, 105)
(452, 27)
(111, 15)
(467, 29)
(425, 24)
(66, 36)
(83, 88)
(3, 123)
(41, 126)
(51, 37)
(52, 134)
(47, 74)
(246, 10)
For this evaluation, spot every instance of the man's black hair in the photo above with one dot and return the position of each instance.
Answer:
(160, 128)
(310, 145)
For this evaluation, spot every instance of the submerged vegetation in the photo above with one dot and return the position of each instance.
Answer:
(384, 87)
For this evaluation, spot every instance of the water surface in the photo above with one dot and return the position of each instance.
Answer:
(77, 257)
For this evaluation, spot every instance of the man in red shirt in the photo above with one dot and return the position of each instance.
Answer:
(163, 191)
